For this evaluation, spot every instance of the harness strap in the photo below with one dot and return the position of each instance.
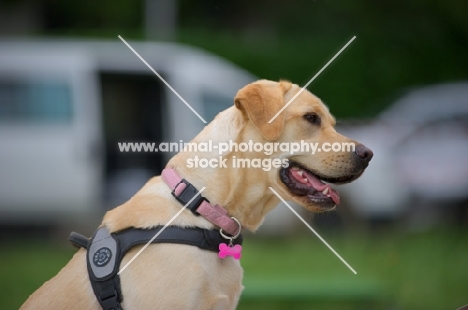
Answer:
(78, 240)
(108, 293)
(205, 239)
(106, 250)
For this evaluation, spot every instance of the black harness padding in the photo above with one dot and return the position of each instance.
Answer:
(106, 250)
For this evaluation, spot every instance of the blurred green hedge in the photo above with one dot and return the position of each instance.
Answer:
(399, 44)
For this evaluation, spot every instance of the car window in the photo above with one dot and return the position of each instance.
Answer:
(35, 101)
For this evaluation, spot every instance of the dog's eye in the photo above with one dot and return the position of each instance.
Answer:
(312, 118)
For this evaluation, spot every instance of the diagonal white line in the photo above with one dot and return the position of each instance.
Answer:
(315, 76)
(310, 227)
(163, 80)
(159, 232)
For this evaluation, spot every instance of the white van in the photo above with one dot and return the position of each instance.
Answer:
(64, 106)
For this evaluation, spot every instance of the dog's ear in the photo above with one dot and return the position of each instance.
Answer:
(260, 102)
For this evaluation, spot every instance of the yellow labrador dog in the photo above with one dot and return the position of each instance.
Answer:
(180, 276)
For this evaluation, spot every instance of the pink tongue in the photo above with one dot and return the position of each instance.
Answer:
(316, 183)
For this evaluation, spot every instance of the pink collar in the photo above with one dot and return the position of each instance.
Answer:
(184, 191)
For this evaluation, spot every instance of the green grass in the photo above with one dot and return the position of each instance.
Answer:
(24, 266)
(418, 271)
(394, 270)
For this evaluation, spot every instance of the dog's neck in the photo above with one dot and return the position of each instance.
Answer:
(244, 193)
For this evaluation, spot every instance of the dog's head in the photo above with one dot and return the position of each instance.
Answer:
(306, 180)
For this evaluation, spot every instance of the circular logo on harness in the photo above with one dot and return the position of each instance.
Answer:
(102, 257)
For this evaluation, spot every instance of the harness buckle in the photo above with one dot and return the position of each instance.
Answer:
(111, 302)
(187, 194)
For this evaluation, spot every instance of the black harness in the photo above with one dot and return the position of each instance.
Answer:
(106, 250)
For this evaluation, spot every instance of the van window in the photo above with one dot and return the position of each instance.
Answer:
(35, 101)
(213, 103)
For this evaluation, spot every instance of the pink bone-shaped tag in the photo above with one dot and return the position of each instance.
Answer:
(226, 250)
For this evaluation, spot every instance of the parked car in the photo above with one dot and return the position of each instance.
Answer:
(421, 153)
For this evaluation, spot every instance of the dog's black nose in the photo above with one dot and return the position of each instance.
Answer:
(364, 153)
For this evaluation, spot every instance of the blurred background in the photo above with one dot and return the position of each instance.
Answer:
(70, 90)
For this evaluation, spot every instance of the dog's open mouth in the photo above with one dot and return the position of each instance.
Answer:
(304, 183)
